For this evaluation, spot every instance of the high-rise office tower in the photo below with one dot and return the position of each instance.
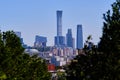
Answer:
(69, 39)
(59, 23)
(79, 39)
(21, 39)
(40, 41)
(59, 39)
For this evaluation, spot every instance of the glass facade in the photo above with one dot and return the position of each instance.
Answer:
(59, 23)
(59, 41)
(40, 41)
(69, 39)
(79, 44)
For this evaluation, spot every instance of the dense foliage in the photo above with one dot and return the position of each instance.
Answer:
(102, 62)
(15, 64)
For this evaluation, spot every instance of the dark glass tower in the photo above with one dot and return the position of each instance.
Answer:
(59, 23)
(79, 39)
(69, 39)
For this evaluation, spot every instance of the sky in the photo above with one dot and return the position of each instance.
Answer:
(38, 17)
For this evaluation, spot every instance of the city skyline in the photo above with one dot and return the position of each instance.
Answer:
(39, 18)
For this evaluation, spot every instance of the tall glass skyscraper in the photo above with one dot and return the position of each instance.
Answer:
(69, 39)
(59, 23)
(59, 39)
(79, 44)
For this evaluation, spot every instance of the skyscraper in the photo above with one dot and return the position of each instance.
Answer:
(59, 23)
(40, 41)
(21, 39)
(79, 39)
(59, 39)
(69, 39)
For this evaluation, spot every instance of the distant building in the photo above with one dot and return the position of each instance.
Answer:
(59, 23)
(69, 39)
(73, 40)
(79, 44)
(51, 67)
(19, 35)
(58, 60)
(31, 52)
(59, 39)
(40, 41)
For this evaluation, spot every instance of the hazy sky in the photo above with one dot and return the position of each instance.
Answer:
(38, 17)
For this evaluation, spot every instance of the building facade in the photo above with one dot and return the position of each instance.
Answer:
(59, 23)
(59, 40)
(73, 40)
(40, 41)
(69, 39)
(79, 40)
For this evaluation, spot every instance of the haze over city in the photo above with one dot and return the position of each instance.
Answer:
(39, 17)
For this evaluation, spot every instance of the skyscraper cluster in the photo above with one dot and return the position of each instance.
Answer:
(70, 41)
(64, 49)
(59, 40)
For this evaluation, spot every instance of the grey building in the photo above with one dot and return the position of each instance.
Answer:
(73, 40)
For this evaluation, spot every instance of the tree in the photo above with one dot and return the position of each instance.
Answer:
(83, 67)
(110, 43)
(111, 30)
(102, 63)
(2, 74)
(17, 65)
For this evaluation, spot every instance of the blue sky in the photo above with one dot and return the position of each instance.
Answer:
(38, 17)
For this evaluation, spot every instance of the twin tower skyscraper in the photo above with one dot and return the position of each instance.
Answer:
(60, 40)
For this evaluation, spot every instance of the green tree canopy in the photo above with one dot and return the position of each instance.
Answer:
(102, 63)
(15, 64)
(110, 40)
